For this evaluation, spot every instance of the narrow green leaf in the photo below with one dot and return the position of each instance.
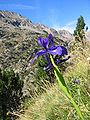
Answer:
(58, 73)
(63, 86)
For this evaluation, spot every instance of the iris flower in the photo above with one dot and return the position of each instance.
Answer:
(49, 48)
(76, 81)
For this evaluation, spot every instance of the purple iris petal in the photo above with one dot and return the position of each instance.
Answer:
(64, 51)
(48, 67)
(63, 60)
(40, 41)
(43, 42)
(57, 50)
(41, 52)
(50, 37)
(47, 59)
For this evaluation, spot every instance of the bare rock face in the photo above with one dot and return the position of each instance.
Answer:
(65, 35)
(87, 35)
(13, 19)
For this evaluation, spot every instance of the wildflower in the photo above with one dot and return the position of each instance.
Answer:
(50, 37)
(49, 48)
(76, 81)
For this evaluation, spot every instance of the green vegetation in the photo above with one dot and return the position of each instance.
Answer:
(53, 103)
(79, 32)
(63, 86)
(43, 99)
(10, 93)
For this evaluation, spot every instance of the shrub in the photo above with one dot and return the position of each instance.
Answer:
(10, 92)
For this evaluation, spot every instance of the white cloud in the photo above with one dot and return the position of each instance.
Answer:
(71, 23)
(18, 6)
(25, 6)
(69, 26)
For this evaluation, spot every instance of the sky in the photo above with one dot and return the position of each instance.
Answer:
(57, 14)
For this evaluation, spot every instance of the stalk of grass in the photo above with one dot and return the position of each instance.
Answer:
(64, 87)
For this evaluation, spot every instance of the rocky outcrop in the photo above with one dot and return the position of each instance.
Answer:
(87, 35)
(65, 35)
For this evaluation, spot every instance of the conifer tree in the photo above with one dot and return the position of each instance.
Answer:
(79, 32)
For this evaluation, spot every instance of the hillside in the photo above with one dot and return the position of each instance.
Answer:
(53, 104)
(11, 20)
(18, 42)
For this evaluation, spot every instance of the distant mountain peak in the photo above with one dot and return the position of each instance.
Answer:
(12, 20)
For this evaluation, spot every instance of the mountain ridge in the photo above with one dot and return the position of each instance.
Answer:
(12, 20)
(15, 20)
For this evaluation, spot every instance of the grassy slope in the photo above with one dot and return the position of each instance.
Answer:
(53, 104)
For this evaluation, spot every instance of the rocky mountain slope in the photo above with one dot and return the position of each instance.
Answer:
(18, 40)
(88, 35)
(11, 20)
(18, 37)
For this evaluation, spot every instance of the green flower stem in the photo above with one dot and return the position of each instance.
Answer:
(63, 86)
